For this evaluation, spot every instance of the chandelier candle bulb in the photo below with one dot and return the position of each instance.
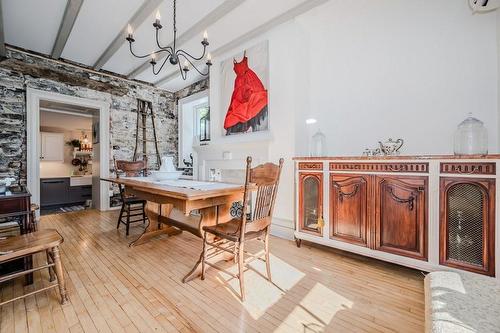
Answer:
(205, 42)
(186, 66)
(209, 59)
(130, 36)
(157, 23)
(153, 59)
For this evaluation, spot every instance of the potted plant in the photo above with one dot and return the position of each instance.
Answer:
(75, 143)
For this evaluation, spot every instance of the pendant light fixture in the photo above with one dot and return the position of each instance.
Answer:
(174, 55)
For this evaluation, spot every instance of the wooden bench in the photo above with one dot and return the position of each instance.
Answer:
(47, 241)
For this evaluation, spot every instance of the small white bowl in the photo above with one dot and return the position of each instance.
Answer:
(166, 175)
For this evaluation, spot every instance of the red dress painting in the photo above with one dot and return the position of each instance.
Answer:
(248, 106)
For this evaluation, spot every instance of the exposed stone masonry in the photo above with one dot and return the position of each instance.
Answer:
(196, 87)
(21, 71)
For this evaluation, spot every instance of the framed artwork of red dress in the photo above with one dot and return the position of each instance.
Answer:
(247, 109)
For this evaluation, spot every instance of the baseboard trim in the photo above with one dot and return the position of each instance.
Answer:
(282, 228)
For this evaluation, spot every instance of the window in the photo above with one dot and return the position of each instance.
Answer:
(202, 118)
(194, 126)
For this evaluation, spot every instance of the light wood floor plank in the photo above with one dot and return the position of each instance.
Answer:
(114, 288)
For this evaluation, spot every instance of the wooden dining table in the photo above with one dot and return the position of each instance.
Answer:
(170, 206)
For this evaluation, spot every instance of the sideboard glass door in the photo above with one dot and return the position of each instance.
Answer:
(311, 202)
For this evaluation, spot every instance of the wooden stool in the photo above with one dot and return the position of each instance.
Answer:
(47, 241)
(33, 223)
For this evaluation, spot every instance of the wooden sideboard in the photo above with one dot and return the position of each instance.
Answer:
(425, 212)
(15, 204)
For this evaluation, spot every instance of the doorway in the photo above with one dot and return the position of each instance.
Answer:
(66, 157)
(97, 112)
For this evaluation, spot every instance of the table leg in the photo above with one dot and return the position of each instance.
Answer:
(154, 228)
(211, 216)
(28, 264)
(208, 217)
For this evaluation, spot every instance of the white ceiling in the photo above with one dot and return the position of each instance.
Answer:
(65, 121)
(34, 24)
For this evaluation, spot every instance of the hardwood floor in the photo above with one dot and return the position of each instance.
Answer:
(114, 288)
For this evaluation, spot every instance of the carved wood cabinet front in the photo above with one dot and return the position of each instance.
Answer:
(349, 208)
(467, 224)
(423, 213)
(311, 202)
(385, 213)
(401, 215)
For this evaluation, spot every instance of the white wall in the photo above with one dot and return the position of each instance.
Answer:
(369, 70)
(498, 73)
(409, 69)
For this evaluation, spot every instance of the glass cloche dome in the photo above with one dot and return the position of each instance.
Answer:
(471, 137)
(318, 145)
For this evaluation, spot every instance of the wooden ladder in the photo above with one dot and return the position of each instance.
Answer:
(145, 112)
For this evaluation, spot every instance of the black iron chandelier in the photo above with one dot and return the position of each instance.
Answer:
(174, 55)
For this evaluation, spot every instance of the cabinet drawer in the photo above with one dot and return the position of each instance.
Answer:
(54, 191)
(13, 205)
(80, 193)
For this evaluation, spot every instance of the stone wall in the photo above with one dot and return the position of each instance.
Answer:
(194, 88)
(22, 70)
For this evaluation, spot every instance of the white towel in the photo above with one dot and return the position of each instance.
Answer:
(191, 184)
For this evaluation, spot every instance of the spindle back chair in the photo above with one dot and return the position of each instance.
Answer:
(261, 187)
(133, 208)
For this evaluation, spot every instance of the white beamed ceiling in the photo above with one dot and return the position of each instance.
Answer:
(34, 24)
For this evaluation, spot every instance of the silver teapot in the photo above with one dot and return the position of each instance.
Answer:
(391, 147)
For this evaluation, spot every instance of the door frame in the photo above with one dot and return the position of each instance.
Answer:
(33, 97)
(180, 132)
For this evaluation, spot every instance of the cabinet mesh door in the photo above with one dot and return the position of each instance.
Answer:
(465, 224)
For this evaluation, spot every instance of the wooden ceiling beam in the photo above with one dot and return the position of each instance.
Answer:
(70, 14)
(147, 8)
(197, 29)
(304, 7)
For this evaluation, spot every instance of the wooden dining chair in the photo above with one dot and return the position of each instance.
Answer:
(133, 208)
(231, 236)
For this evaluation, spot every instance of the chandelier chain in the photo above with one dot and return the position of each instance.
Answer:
(175, 15)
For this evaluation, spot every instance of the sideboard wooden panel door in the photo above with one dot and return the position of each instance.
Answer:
(310, 202)
(348, 208)
(401, 215)
(467, 224)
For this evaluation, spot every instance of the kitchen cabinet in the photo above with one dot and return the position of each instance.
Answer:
(59, 192)
(51, 146)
